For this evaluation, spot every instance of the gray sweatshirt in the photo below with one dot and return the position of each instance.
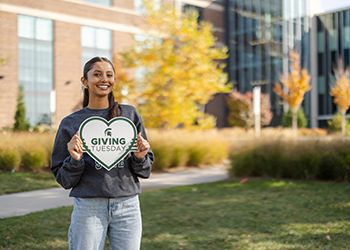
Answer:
(87, 178)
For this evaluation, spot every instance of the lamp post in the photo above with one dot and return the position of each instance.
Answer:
(257, 105)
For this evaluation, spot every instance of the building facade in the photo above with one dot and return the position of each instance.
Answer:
(331, 36)
(44, 44)
(260, 35)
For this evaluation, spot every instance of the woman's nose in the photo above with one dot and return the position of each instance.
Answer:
(104, 78)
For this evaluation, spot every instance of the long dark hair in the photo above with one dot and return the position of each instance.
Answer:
(113, 105)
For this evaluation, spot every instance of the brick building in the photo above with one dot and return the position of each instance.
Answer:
(45, 43)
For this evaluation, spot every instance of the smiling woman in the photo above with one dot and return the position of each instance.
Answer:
(106, 201)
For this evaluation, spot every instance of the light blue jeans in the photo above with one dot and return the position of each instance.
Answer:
(94, 218)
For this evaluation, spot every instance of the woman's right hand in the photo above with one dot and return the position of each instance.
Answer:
(75, 147)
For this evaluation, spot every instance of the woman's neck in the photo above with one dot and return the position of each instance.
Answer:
(98, 103)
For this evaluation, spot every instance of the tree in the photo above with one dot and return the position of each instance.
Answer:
(341, 92)
(287, 119)
(335, 124)
(21, 123)
(296, 84)
(183, 69)
(125, 89)
(241, 110)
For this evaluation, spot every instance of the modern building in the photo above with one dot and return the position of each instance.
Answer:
(331, 36)
(260, 35)
(45, 42)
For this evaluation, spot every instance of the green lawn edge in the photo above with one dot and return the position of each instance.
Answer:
(260, 214)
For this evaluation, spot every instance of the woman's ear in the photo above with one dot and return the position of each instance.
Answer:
(84, 82)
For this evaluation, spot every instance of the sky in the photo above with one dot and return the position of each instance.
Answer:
(321, 6)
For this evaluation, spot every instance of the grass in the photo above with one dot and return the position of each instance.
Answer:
(261, 214)
(25, 181)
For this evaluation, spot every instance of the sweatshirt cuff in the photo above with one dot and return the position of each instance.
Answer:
(137, 160)
(76, 163)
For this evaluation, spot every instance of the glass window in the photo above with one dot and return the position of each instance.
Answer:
(320, 64)
(346, 37)
(25, 26)
(100, 2)
(43, 29)
(321, 85)
(35, 63)
(95, 42)
(320, 42)
(333, 42)
(140, 8)
(103, 39)
(87, 37)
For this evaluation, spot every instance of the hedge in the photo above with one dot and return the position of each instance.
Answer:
(297, 159)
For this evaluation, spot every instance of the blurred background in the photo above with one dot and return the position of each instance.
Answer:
(44, 45)
(243, 88)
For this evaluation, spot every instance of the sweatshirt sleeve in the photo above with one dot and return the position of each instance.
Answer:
(66, 170)
(142, 168)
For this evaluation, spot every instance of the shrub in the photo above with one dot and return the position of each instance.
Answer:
(295, 159)
(196, 155)
(179, 156)
(33, 158)
(163, 156)
(21, 123)
(301, 119)
(217, 153)
(240, 108)
(9, 159)
(334, 125)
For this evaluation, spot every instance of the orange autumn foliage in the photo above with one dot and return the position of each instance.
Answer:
(341, 90)
(296, 84)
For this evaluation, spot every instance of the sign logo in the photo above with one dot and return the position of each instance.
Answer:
(108, 142)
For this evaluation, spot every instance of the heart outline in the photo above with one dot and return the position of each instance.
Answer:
(131, 147)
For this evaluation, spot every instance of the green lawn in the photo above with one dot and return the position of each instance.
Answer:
(261, 214)
(20, 182)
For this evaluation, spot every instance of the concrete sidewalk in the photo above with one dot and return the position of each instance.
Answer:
(33, 201)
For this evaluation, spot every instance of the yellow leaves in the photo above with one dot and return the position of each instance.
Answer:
(183, 70)
(294, 85)
(341, 93)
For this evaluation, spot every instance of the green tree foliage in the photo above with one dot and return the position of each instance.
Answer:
(335, 124)
(288, 116)
(21, 123)
(241, 110)
(183, 69)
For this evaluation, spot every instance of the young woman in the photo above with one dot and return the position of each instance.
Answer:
(106, 203)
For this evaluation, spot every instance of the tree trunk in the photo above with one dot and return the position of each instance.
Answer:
(343, 123)
(294, 121)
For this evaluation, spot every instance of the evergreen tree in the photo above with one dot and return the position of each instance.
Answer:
(21, 123)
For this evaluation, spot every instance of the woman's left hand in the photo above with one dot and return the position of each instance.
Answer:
(143, 146)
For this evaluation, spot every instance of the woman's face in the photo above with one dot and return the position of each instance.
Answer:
(100, 79)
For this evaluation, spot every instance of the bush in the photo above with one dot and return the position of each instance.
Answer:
(240, 107)
(179, 147)
(21, 123)
(162, 154)
(196, 155)
(9, 159)
(179, 156)
(295, 159)
(301, 119)
(334, 125)
(34, 158)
